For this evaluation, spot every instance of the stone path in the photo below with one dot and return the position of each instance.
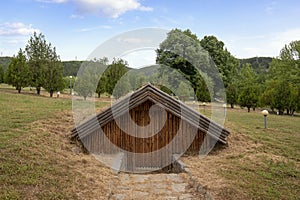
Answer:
(155, 186)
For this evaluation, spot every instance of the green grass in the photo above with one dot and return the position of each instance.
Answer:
(20, 168)
(34, 160)
(273, 172)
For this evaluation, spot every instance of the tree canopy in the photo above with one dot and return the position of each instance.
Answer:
(44, 64)
(18, 74)
(283, 83)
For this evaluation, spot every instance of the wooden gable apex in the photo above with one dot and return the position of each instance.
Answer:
(170, 104)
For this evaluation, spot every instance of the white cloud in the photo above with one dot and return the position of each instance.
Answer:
(16, 29)
(94, 28)
(108, 8)
(104, 8)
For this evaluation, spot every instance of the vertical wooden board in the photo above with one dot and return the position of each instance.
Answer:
(180, 136)
(173, 131)
(109, 130)
(106, 132)
(101, 140)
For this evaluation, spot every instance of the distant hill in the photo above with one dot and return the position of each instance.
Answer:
(71, 67)
(257, 62)
(260, 65)
(5, 61)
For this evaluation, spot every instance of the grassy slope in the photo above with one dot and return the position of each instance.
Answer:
(36, 159)
(258, 163)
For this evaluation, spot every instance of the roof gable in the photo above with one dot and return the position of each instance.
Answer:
(170, 104)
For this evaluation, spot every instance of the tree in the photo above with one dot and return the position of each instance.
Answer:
(88, 77)
(283, 82)
(103, 79)
(1, 74)
(232, 94)
(226, 63)
(36, 51)
(18, 74)
(121, 88)
(44, 64)
(113, 74)
(184, 91)
(181, 51)
(53, 72)
(248, 88)
(101, 86)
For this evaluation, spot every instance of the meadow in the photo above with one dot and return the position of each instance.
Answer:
(37, 161)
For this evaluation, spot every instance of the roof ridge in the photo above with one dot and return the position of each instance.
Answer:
(152, 93)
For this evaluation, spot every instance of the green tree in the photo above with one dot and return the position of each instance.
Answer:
(248, 88)
(88, 77)
(226, 63)
(1, 74)
(36, 51)
(113, 74)
(283, 82)
(184, 91)
(121, 88)
(53, 72)
(232, 94)
(181, 51)
(18, 74)
(44, 65)
(103, 79)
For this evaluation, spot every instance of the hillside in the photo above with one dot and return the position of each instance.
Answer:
(260, 64)
(4, 61)
(257, 63)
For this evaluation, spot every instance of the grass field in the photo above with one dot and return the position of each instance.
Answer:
(37, 162)
(36, 158)
(258, 163)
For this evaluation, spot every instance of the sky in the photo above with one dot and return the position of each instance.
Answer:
(77, 27)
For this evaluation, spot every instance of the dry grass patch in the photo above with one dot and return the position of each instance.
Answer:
(43, 165)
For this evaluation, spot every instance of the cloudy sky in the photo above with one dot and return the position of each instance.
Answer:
(77, 27)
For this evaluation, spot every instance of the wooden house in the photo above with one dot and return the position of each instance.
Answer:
(148, 127)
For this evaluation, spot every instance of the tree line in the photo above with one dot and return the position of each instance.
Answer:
(37, 66)
(250, 83)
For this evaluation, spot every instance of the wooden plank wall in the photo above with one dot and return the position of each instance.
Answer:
(181, 133)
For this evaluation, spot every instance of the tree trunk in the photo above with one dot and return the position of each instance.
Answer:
(231, 105)
(248, 109)
(51, 93)
(253, 108)
(280, 112)
(84, 97)
(38, 90)
(287, 111)
(293, 111)
(19, 90)
(99, 95)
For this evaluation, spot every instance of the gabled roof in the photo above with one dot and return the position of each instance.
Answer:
(149, 92)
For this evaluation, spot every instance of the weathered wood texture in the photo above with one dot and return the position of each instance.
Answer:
(161, 127)
(138, 142)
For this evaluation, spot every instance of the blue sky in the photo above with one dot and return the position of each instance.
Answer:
(77, 27)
